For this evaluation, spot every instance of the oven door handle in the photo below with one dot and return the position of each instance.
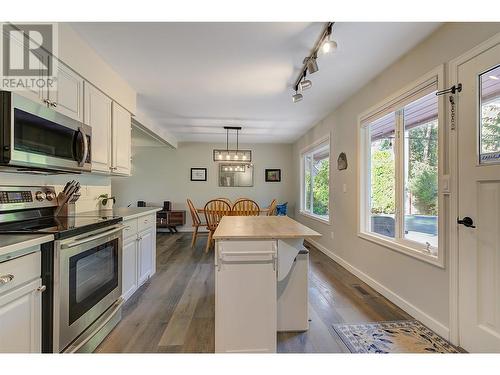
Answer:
(91, 238)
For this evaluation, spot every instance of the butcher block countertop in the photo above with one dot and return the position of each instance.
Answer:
(261, 227)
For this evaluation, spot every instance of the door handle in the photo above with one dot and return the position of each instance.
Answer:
(467, 221)
(85, 147)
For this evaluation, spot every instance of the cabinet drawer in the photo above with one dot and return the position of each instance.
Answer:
(23, 269)
(130, 228)
(146, 221)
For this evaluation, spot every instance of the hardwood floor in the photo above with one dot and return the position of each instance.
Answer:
(174, 311)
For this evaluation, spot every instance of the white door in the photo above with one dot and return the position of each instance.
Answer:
(129, 267)
(98, 116)
(479, 199)
(68, 98)
(145, 255)
(21, 319)
(122, 123)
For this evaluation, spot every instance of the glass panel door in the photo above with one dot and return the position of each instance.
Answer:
(92, 275)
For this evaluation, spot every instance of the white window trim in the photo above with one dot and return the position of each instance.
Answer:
(302, 187)
(405, 246)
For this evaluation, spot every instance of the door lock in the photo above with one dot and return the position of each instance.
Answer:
(467, 221)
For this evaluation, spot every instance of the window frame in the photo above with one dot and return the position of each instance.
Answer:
(399, 243)
(307, 150)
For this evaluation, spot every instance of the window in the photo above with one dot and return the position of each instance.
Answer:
(316, 181)
(490, 116)
(399, 181)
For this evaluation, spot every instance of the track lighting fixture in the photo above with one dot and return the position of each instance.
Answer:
(329, 45)
(305, 84)
(310, 65)
(297, 97)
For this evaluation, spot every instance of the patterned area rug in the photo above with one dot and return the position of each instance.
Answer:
(404, 336)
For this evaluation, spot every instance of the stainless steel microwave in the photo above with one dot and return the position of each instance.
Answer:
(34, 138)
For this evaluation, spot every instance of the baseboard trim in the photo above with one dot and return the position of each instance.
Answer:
(411, 309)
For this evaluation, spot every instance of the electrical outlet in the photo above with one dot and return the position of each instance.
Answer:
(331, 235)
(344, 188)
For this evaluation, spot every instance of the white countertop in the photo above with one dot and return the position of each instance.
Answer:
(261, 227)
(11, 243)
(131, 212)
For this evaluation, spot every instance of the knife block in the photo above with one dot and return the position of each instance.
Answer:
(68, 208)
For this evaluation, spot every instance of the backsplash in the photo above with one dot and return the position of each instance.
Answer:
(91, 186)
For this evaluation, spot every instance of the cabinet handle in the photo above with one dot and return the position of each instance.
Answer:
(6, 279)
(46, 101)
(41, 289)
(53, 104)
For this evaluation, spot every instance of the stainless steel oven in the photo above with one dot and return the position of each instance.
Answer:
(87, 287)
(34, 137)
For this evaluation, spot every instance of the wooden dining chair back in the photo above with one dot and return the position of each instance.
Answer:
(271, 210)
(196, 221)
(194, 214)
(245, 207)
(227, 200)
(214, 211)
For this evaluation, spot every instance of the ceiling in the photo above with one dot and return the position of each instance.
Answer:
(194, 78)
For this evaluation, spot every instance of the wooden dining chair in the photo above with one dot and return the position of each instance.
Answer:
(271, 210)
(195, 219)
(214, 211)
(227, 200)
(245, 207)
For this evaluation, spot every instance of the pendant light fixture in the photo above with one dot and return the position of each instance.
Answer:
(232, 154)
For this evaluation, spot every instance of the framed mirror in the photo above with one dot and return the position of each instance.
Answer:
(235, 175)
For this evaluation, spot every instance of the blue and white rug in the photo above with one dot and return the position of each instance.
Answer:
(404, 336)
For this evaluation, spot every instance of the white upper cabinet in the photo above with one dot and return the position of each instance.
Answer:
(122, 123)
(68, 98)
(98, 116)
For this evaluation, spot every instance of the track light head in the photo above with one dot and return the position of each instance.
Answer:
(297, 97)
(312, 65)
(329, 46)
(305, 84)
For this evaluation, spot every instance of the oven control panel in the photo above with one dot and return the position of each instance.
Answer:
(15, 197)
(23, 197)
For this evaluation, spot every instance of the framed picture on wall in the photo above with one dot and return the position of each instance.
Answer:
(273, 175)
(198, 174)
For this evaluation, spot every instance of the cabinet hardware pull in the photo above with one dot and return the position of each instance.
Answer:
(6, 279)
(53, 104)
(42, 289)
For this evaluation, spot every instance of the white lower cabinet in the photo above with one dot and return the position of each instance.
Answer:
(138, 255)
(245, 297)
(145, 255)
(20, 305)
(129, 267)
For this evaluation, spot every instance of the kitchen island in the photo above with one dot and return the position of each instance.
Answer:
(260, 281)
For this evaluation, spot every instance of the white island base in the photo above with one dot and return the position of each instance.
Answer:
(260, 282)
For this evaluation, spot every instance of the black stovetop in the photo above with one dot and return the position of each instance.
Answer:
(60, 227)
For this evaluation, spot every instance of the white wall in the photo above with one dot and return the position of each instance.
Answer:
(422, 289)
(160, 173)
